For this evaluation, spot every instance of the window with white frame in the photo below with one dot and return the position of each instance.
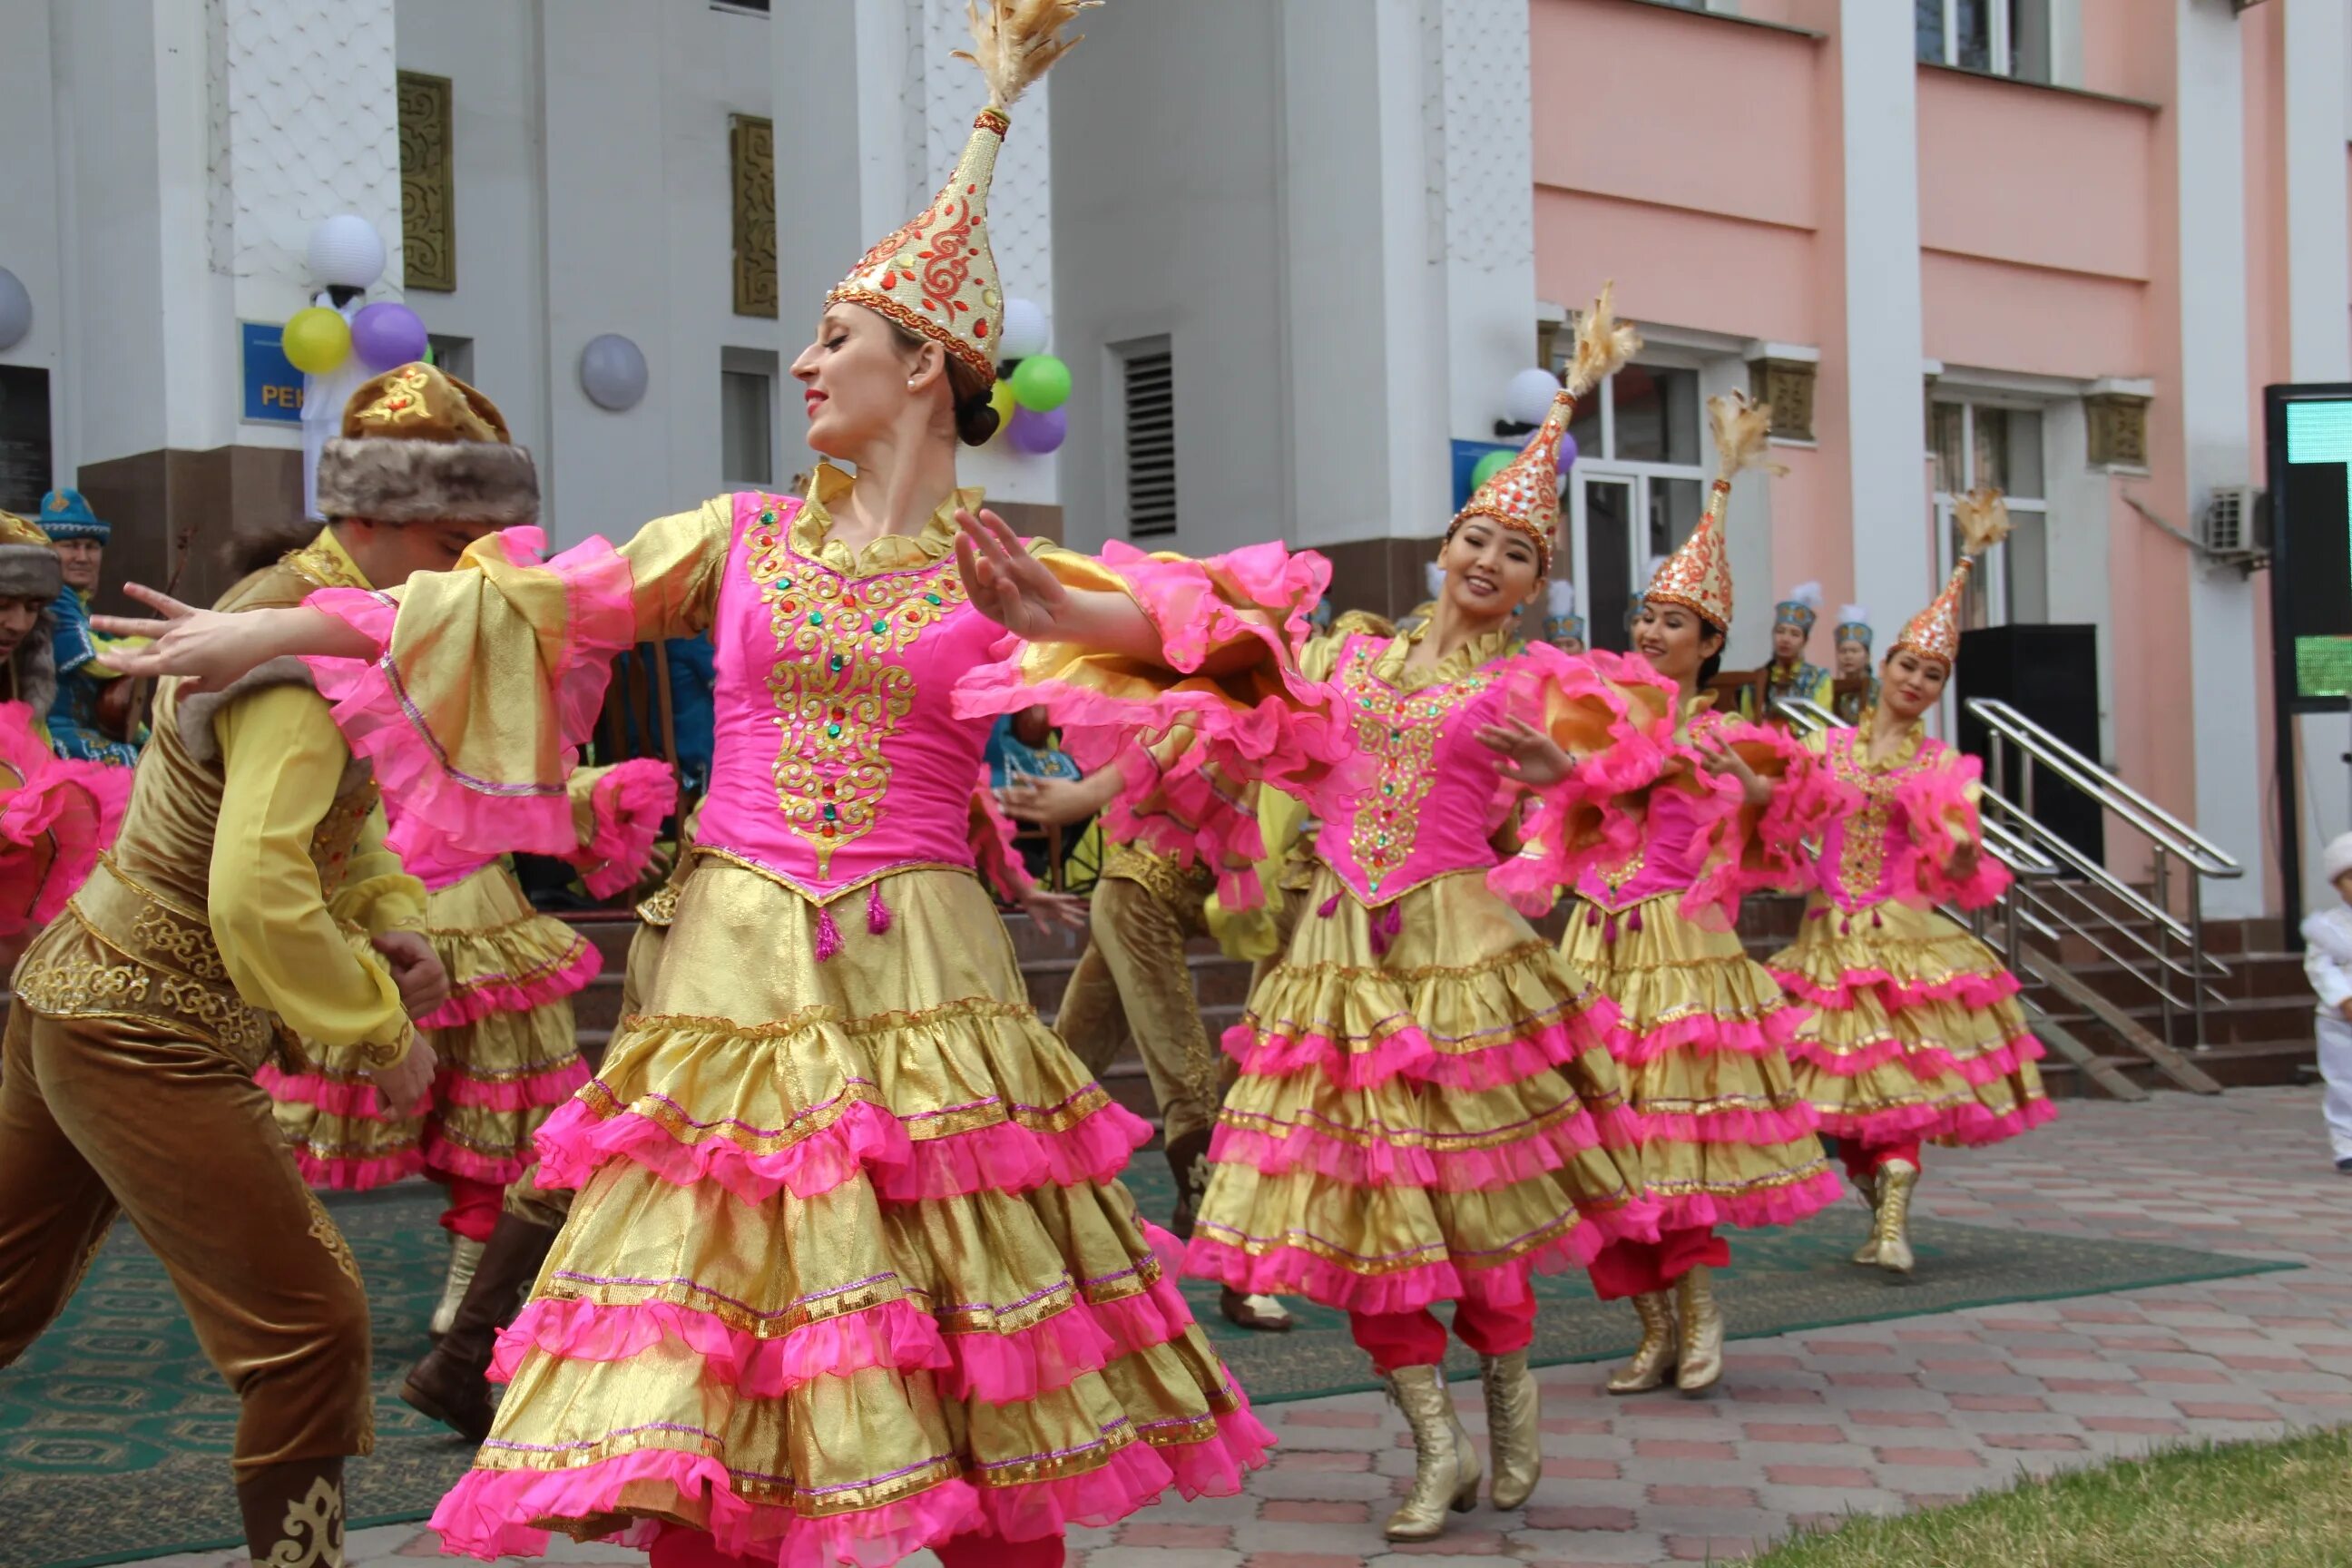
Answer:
(746, 417)
(1638, 487)
(2000, 37)
(1979, 444)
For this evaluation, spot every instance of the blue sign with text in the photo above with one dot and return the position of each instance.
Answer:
(273, 387)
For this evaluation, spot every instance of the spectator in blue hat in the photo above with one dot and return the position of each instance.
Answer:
(84, 723)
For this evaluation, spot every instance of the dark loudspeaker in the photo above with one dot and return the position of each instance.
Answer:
(2050, 674)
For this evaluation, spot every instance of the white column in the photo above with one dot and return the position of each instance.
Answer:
(2319, 277)
(2209, 103)
(1894, 568)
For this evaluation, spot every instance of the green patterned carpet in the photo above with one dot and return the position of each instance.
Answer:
(114, 1434)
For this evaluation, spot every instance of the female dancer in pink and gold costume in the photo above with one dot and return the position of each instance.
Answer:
(849, 1272)
(1917, 1036)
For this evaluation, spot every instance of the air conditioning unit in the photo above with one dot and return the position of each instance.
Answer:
(2239, 8)
(2236, 522)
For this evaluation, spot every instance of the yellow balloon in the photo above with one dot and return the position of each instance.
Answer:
(317, 340)
(1000, 397)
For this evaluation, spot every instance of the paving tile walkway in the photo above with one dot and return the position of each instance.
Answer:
(1868, 1419)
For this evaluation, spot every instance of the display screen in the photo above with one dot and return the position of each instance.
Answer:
(2314, 518)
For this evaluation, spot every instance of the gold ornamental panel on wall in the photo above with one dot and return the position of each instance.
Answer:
(751, 150)
(2118, 430)
(428, 215)
(1788, 385)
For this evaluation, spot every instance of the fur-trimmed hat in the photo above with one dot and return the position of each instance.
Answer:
(2337, 859)
(420, 445)
(29, 562)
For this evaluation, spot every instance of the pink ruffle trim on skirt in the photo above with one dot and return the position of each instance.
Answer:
(1967, 1124)
(1752, 1211)
(1294, 1271)
(1004, 1157)
(1410, 1053)
(351, 1098)
(1925, 1062)
(1701, 1034)
(487, 1514)
(479, 1000)
(438, 816)
(1972, 991)
(361, 1176)
(539, 1090)
(1787, 1124)
(443, 1158)
(1380, 1164)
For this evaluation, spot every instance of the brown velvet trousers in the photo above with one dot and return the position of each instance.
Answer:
(107, 1116)
(1134, 979)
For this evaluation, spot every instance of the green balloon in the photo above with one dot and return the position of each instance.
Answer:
(1041, 384)
(1490, 465)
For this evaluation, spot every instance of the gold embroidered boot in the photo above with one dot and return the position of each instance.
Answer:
(1896, 1181)
(1867, 1185)
(1702, 1331)
(1444, 1465)
(1654, 1356)
(464, 1257)
(293, 1514)
(1514, 1436)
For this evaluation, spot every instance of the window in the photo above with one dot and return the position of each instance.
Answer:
(1147, 416)
(1981, 444)
(746, 418)
(25, 472)
(2002, 37)
(1638, 487)
(455, 356)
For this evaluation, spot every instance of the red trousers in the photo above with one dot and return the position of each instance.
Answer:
(1417, 1339)
(1866, 1158)
(988, 1552)
(1645, 1268)
(473, 1210)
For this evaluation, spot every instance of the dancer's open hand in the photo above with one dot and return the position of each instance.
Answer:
(1006, 583)
(1057, 911)
(1526, 754)
(209, 648)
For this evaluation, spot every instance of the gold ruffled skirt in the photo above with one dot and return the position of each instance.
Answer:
(1426, 1109)
(1702, 1037)
(848, 1271)
(1916, 1034)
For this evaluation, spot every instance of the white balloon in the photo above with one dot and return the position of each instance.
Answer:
(15, 309)
(1529, 397)
(612, 372)
(346, 252)
(1024, 329)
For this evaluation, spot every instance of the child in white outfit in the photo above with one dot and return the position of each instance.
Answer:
(2328, 960)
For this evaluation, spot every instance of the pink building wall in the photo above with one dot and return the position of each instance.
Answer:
(2050, 234)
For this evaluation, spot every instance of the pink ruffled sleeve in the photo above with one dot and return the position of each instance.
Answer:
(1939, 807)
(993, 850)
(55, 818)
(1615, 717)
(1231, 629)
(618, 813)
(1750, 849)
(487, 679)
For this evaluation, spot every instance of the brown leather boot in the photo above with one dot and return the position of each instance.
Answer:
(452, 1384)
(1188, 1157)
(294, 1514)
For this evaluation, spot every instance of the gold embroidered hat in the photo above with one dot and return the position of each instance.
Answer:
(1697, 576)
(1935, 632)
(417, 444)
(1523, 495)
(937, 276)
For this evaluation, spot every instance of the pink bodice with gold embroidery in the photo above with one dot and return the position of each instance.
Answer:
(837, 754)
(1431, 798)
(1869, 853)
(1669, 860)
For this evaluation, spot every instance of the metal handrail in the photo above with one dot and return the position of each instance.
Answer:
(2170, 839)
(2040, 746)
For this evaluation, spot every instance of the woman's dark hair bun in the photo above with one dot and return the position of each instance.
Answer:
(976, 420)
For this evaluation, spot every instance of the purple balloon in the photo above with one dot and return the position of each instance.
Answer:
(385, 335)
(1038, 434)
(1567, 453)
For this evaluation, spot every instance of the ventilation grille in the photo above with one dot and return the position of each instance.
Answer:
(1151, 391)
